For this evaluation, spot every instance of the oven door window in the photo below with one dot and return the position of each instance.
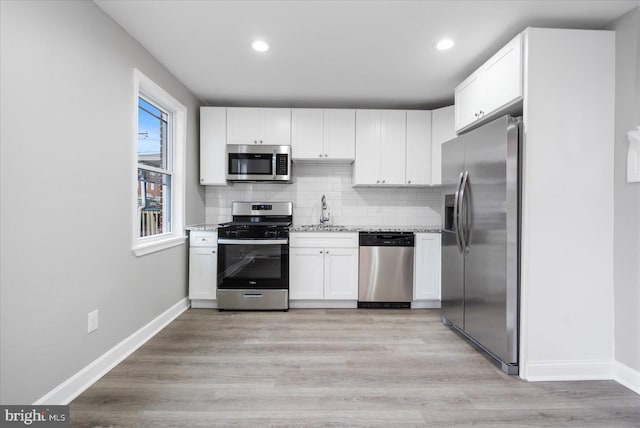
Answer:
(250, 164)
(253, 266)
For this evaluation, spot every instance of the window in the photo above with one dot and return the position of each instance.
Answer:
(159, 140)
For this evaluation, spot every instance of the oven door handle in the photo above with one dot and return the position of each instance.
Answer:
(253, 241)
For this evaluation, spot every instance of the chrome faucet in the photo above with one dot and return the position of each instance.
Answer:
(324, 215)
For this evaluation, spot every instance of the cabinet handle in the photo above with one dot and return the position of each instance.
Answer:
(213, 252)
(326, 155)
(320, 251)
(326, 252)
(476, 115)
(384, 181)
(377, 181)
(260, 141)
(481, 113)
(409, 182)
(320, 155)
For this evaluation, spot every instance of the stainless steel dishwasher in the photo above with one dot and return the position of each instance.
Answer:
(386, 270)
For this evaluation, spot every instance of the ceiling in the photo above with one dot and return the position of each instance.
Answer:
(338, 53)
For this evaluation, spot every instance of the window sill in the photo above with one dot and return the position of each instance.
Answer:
(155, 246)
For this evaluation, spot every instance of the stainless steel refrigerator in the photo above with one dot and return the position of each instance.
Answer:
(480, 238)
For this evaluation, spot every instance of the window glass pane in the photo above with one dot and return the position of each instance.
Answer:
(154, 202)
(152, 135)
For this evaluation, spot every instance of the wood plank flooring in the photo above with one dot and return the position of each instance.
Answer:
(332, 368)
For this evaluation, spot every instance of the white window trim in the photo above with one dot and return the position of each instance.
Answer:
(151, 244)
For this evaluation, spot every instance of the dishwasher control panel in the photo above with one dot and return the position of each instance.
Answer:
(384, 239)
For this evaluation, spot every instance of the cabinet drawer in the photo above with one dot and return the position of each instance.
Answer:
(203, 239)
(323, 240)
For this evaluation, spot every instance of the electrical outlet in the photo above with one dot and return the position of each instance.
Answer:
(92, 321)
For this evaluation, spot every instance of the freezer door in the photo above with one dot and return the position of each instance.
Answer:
(452, 256)
(491, 263)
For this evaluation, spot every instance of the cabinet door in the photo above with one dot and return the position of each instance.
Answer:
(340, 134)
(469, 99)
(306, 273)
(366, 169)
(503, 76)
(213, 134)
(307, 133)
(393, 146)
(418, 158)
(427, 267)
(244, 125)
(341, 274)
(276, 126)
(203, 271)
(442, 130)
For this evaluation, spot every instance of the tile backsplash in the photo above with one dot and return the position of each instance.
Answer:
(389, 206)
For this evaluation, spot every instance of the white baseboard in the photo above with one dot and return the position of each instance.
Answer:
(79, 382)
(204, 304)
(426, 304)
(569, 370)
(323, 304)
(626, 376)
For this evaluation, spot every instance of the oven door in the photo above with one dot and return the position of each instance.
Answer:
(253, 264)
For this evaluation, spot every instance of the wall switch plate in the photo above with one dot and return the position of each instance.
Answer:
(92, 321)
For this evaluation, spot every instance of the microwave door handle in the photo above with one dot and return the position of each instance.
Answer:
(273, 164)
(456, 214)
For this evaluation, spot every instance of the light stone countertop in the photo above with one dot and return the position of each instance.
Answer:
(339, 228)
(202, 227)
(333, 228)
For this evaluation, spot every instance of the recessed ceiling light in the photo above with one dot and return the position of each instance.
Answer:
(260, 46)
(444, 44)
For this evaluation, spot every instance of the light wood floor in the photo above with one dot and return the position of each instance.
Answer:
(332, 368)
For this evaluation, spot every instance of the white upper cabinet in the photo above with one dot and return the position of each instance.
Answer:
(248, 125)
(380, 147)
(323, 134)
(307, 133)
(213, 134)
(340, 134)
(442, 130)
(418, 153)
(496, 85)
(393, 146)
(470, 99)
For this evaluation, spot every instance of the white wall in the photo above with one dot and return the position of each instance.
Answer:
(567, 225)
(347, 205)
(66, 176)
(627, 195)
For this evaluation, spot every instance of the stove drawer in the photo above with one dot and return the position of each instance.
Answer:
(245, 300)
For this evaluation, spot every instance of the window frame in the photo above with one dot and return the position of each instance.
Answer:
(148, 90)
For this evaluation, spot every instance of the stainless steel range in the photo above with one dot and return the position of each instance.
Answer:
(253, 257)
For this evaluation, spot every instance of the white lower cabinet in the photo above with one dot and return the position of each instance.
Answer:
(323, 267)
(203, 269)
(426, 287)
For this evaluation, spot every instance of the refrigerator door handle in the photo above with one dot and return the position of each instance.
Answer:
(456, 214)
(463, 214)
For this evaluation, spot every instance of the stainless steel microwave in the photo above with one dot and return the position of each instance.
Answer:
(246, 162)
